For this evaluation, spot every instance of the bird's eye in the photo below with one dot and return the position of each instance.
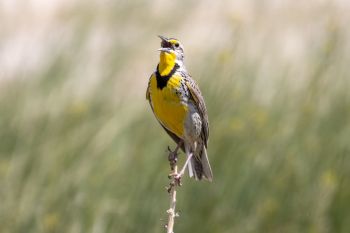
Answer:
(177, 45)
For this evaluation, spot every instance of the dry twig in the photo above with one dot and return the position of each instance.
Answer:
(175, 181)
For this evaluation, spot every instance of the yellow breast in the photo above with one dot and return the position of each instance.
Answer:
(167, 105)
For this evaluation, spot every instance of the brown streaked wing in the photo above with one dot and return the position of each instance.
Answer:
(200, 104)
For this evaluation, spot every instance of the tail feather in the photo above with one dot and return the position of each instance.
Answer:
(199, 165)
(207, 172)
(190, 169)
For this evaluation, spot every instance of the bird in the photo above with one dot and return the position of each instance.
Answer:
(179, 107)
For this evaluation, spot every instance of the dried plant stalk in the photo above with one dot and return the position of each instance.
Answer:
(175, 181)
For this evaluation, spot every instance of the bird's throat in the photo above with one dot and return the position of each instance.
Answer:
(166, 63)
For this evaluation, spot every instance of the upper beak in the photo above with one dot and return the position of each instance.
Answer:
(163, 38)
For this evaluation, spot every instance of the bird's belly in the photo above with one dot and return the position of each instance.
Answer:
(170, 110)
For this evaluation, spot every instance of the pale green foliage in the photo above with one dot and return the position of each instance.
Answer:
(80, 150)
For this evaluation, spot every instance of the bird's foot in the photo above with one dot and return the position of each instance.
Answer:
(176, 178)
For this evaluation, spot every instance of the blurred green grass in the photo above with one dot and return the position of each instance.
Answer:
(80, 150)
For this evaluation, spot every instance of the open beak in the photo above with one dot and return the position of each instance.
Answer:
(165, 45)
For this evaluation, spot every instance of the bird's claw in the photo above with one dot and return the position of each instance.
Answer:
(171, 175)
(177, 180)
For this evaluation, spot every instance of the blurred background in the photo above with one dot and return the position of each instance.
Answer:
(80, 150)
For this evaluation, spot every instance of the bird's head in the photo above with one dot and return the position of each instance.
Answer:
(172, 47)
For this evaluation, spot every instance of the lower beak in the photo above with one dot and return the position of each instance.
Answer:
(167, 50)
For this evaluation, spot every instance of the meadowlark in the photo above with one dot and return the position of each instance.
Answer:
(178, 105)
